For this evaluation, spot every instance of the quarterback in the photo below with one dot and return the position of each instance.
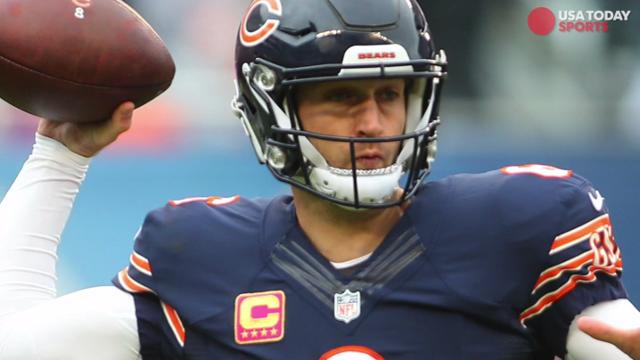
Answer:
(364, 260)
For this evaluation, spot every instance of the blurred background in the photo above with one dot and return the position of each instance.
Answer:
(512, 97)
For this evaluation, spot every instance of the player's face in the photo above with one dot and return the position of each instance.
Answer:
(358, 108)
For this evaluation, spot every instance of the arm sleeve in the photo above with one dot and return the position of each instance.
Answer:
(582, 266)
(92, 324)
(33, 215)
(97, 323)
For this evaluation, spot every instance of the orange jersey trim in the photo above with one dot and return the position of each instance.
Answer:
(187, 201)
(211, 200)
(543, 171)
(221, 201)
(140, 263)
(131, 285)
(579, 234)
(570, 265)
(175, 323)
(544, 302)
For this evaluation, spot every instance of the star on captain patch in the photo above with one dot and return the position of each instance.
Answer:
(346, 306)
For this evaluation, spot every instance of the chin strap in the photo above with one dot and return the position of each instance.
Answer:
(373, 186)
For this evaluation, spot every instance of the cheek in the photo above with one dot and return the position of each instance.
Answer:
(396, 120)
(316, 119)
(324, 123)
(336, 153)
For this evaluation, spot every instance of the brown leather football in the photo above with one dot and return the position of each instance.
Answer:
(77, 60)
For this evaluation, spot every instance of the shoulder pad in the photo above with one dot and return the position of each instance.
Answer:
(187, 251)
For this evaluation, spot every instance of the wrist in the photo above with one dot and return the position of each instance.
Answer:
(53, 149)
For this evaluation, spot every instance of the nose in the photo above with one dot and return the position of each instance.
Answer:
(369, 119)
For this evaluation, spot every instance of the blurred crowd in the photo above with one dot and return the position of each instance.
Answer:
(506, 85)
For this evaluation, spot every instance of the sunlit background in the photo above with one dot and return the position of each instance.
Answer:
(512, 97)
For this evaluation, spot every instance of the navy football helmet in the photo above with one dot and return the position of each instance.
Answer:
(285, 43)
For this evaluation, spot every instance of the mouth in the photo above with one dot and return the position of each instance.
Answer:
(370, 161)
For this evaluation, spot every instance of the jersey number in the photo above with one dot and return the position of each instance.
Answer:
(544, 171)
(351, 352)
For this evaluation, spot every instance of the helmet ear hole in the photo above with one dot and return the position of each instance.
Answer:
(265, 78)
(276, 157)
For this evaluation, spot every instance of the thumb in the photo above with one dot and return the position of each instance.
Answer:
(599, 330)
(621, 338)
(123, 117)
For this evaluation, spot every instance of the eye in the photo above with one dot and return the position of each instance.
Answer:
(340, 96)
(389, 95)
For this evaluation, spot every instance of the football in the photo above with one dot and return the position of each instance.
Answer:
(77, 60)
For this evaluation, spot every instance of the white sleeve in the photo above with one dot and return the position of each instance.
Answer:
(620, 313)
(32, 216)
(97, 323)
(33, 323)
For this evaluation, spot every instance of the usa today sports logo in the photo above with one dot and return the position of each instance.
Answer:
(542, 20)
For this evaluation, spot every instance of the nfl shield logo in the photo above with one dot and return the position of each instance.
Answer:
(346, 306)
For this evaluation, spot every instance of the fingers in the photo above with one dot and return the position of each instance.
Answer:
(627, 340)
(88, 139)
(96, 136)
(109, 130)
(47, 128)
(599, 330)
(122, 117)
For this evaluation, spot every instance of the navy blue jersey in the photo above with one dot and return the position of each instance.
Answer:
(485, 266)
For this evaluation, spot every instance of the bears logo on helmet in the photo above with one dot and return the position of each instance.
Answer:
(252, 38)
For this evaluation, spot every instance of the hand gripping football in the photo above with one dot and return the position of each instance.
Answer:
(77, 60)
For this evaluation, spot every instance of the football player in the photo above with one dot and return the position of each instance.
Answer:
(363, 261)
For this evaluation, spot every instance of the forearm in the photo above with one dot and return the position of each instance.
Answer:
(98, 323)
(33, 215)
